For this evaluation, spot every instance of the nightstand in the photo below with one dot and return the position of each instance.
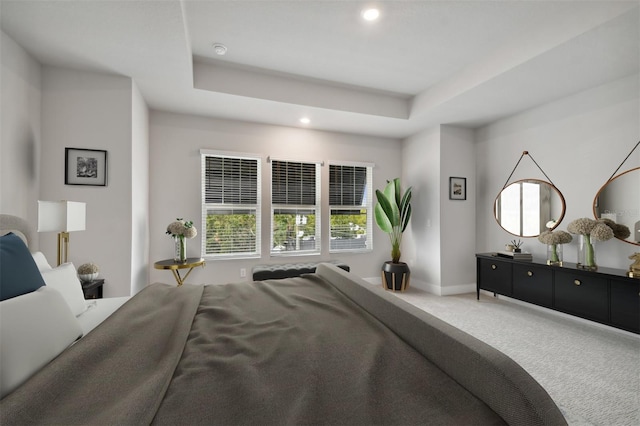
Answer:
(92, 289)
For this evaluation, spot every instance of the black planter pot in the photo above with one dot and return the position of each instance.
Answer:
(395, 276)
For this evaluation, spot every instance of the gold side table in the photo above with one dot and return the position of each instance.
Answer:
(175, 267)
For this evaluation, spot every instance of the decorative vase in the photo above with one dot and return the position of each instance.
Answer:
(88, 277)
(395, 276)
(181, 248)
(554, 254)
(587, 253)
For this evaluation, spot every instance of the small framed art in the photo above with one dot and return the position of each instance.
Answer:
(85, 167)
(457, 188)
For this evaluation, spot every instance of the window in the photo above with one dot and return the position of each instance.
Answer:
(295, 207)
(350, 204)
(230, 205)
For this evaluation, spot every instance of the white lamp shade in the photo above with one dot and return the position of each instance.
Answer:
(61, 216)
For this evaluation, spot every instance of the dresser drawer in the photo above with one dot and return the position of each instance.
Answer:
(495, 276)
(533, 284)
(625, 304)
(582, 295)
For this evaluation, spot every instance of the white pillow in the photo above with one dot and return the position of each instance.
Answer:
(34, 329)
(65, 279)
(41, 261)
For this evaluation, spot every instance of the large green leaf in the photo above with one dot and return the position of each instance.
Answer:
(405, 209)
(397, 191)
(407, 216)
(387, 200)
(382, 220)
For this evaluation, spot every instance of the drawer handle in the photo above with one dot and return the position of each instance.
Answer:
(529, 273)
(577, 282)
(494, 267)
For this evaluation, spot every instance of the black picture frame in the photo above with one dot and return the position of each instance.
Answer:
(85, 167)
(457, 188)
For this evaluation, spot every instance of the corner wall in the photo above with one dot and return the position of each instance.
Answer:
(457, 224)
(20, 101)
(421, 241)
(439, 243)
(91, 110)
(139, 191)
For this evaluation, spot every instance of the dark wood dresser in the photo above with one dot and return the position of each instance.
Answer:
(607, 296)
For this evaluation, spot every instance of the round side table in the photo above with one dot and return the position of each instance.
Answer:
(175, 267)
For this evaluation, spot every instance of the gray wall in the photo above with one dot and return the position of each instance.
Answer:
(578, 141)
(440, 242)
(20, 99)
(44, 110)
(176, 141)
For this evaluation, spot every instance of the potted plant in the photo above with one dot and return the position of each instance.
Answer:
(392, 213)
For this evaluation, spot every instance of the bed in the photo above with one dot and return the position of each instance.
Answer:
(90, 313)
(322, 348)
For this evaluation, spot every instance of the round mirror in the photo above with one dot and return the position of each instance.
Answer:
(619, 200)
(524, 207)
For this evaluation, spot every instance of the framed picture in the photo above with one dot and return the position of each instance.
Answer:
(457, 188)
(85, 167)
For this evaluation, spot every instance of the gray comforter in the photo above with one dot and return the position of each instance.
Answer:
(319, 349)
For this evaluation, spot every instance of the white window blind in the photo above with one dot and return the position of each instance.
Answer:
(350, 192)
(230, 206)
(295, 207)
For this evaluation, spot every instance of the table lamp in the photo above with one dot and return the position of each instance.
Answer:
(62, 217)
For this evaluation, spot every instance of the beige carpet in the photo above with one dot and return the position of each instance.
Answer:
(591, 371)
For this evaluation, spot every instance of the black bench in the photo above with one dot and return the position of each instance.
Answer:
(288, 270)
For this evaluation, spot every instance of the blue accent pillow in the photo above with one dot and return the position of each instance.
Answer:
(19, 273)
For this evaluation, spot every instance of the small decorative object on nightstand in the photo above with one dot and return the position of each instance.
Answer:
(93, 289)
(88, 272)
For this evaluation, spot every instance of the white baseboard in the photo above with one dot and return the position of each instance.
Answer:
(432, 288)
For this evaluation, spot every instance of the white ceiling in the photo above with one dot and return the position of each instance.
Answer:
(422, 63)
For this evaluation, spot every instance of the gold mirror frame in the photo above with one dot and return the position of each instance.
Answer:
(542, 220)
(631, 211)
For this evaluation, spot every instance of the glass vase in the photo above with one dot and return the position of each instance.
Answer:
(554, 254)
(587, 253)
(180, 249)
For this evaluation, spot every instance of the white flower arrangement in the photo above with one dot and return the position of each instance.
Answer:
(595, 229)
(555, 237)
(591, 230)
(182, 228)
(552, 239)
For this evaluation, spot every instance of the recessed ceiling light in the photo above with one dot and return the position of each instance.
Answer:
(219, 48)
(305, 120)
(370, 14)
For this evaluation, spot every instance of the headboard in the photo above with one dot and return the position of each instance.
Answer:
(17, 225)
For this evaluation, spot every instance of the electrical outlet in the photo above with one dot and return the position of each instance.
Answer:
(243, 272)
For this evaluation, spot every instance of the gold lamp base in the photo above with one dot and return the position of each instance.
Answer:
(63, 247)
